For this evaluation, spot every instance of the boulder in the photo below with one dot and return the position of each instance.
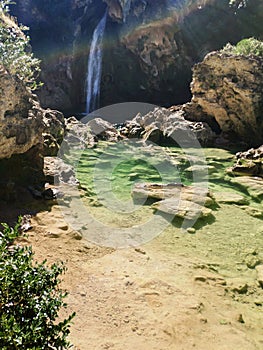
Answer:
(187, 202)
(183, 209)
(21, 123)
(77, 135)
(162, 126)
(21, 141)
(103, 130)
(227, 94)
(249, 162)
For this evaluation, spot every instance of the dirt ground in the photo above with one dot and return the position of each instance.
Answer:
(167, 294)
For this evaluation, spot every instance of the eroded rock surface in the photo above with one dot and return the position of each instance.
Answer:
(148, 51)
(164, 126)
(187, 202)
(249, 162)
(227, 94)
(21, 122)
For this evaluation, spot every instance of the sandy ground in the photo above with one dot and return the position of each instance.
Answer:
(164, 295)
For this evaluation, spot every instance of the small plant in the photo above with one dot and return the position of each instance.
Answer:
(15, 52)
(30, 299)
(250, 46)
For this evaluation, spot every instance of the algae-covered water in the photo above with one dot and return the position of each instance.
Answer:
(116, 167)
(230, 242)
(108, 173)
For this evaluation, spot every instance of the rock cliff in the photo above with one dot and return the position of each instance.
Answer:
(21, 127)
(228, 95)
(21, 122)
(149, 45)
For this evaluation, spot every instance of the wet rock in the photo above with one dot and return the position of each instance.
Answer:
(255, 212)
(174, 190)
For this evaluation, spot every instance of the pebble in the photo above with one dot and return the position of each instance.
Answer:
(141, 251)
(191, 230)
(240, 318)
(259, 269)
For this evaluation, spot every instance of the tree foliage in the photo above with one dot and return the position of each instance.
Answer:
(15, 52)
(250, 46)
(30, 299)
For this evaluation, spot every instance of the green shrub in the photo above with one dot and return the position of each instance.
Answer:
(29, 299)
(250, 46)
(15, 52)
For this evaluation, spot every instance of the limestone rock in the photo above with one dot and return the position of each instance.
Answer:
(55, 169)
(230, 198)
(227, 93)
(78, 134)
(154, 46)
(164, 126)
(21, 122)
(249, 162)
(176, 199)
(103, 130)
(182, 208)
(253, 185)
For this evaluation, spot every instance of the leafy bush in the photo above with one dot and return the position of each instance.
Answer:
(250, 46)
(15, 52)
(29, 299)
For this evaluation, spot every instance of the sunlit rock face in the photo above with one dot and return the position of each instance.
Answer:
(149, 46)
(20, 117)
(21, 129)
(228, 92)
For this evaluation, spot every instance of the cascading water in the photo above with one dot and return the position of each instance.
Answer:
(94, 66)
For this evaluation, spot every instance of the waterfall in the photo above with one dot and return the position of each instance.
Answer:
(94, 67)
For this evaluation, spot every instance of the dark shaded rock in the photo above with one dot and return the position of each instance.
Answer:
(149, 47)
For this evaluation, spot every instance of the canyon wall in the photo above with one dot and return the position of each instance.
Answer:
(149, 46)
(228, 94)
